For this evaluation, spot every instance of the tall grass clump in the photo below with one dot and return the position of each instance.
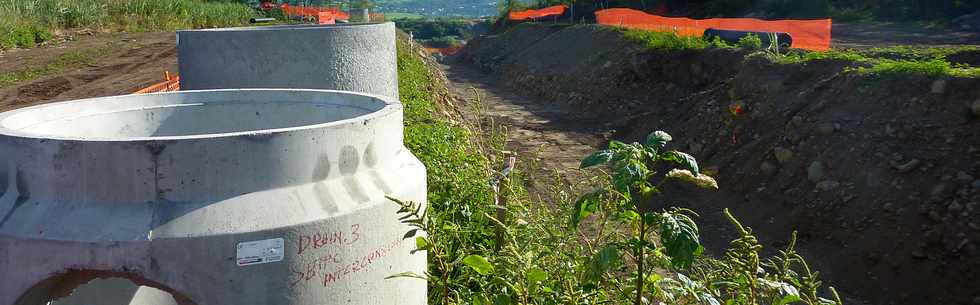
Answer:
(666, 41)
(22, 19)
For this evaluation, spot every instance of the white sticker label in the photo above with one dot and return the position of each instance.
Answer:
(260, 252)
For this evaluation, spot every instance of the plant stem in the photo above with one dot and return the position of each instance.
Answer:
(639, 262)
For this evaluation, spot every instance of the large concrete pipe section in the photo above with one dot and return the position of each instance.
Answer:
(351, 57)
(216, 197)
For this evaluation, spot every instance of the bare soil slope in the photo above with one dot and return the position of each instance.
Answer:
(121, 63)
(878, 175)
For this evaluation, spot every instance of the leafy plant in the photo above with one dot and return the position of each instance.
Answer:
(638, 171)
(750, 42)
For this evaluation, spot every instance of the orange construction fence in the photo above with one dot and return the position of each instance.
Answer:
(556, 10)
(312, 11)
(444, 51)
(172, 83)
(807, 34)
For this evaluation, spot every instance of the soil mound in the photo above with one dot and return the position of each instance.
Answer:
(879, 175)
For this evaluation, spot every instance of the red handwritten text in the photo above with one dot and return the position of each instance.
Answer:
(322, 239)
(360, 264)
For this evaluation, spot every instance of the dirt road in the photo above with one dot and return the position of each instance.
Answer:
(552, 135)
(113, 64)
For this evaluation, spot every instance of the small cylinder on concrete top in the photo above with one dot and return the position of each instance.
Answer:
(239, 196)
(350, 57)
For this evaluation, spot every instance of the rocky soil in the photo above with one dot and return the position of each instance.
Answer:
(879, 175)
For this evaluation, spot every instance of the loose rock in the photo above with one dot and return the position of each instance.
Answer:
(976, 108)
(827, 185)
(767, 168)
(962, 176)
(815, 172)
(783, 155)
(908, 166)
(826, 129)
(939, 86)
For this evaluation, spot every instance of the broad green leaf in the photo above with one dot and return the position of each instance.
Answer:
(411, 233)
(408, 274)
(585, 206)
(597, 158)
(607, 259)
(616, 145)
(683, 159)
(679, 236)
(501, 299)
(790, 294)
(421, 243)
(658, 139)
(788, 299)
(653, 278)
(480, 264)
(629, 174)
(536, 275)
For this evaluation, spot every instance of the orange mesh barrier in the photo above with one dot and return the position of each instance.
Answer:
(444, 51)
(172, 83)
(807, 34)
(311, 11)
(326, 18)
(556, 10)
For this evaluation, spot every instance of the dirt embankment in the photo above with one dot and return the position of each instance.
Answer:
(115, 63)
(880, 176)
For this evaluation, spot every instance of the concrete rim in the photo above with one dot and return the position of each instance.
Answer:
(290, 27)
(388, 106)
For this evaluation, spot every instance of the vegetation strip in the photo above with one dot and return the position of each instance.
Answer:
(618, 244)
(885, 62)
(60, 64)
(25, 23)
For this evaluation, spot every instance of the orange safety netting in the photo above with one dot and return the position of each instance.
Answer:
(172, 83)
(444, 51)
(556, 10)
(807, 34)
(311, 11)
(326, 18)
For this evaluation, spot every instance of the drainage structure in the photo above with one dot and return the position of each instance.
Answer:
(352, 57)
(240, 196)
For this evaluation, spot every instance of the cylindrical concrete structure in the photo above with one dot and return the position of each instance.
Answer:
(242, 196)
(351, 57)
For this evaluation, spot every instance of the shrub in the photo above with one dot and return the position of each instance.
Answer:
(750, 42)
(665, 41)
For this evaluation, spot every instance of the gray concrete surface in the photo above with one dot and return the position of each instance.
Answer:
(351, 57)
(169, 190)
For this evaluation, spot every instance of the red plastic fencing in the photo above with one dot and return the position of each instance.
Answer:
(807, 34)
(326, 18)
(312, 11)
(444, 51)
(556, 10)
(172, 83)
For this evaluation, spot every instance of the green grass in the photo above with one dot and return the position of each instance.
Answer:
(457, 173)
(895, 61)
(397, 15)
(664, 40)
(22, 19)
(62, 63)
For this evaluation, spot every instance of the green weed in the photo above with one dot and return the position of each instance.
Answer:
(665, 41)
(26, 22)
(491, 242)
(62, 63)
(750, 42)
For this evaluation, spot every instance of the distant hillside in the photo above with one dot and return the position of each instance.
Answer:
(440, 8)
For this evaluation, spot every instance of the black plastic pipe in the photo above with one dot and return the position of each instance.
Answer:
(730, 36)
(261, 20)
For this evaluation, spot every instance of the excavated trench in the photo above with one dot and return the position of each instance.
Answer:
(878, 175)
